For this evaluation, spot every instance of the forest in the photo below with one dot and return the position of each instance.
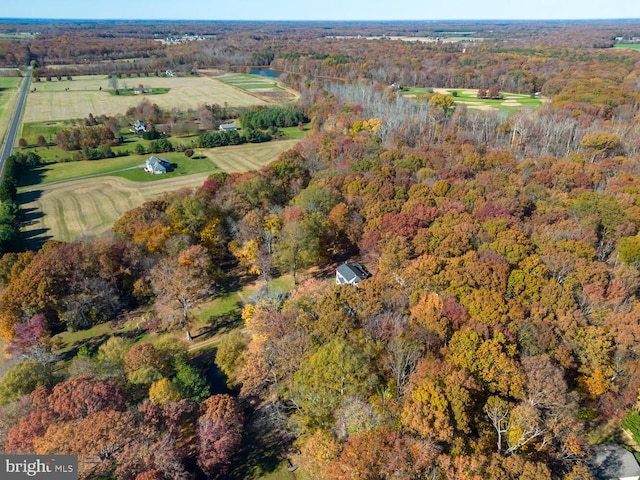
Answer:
(496, 339)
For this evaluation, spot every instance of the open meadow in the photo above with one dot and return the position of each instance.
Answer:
(68, 201)
(76, 98)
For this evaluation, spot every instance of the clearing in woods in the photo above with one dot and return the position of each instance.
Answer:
(469, 98)
(84, 207)
(76, 98)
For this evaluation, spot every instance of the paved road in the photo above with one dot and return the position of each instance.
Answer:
(14, 126)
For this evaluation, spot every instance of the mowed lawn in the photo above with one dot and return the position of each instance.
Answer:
(8, 98)
(247, 157)
(58, 207)
(52, 100)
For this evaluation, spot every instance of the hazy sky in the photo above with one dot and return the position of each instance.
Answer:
(320, 9)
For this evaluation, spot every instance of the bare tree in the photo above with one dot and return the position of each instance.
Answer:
(401, 357)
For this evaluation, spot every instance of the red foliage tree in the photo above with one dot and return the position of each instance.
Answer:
(219, 433)
(83, 396)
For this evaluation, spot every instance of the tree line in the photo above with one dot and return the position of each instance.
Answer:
(263, 118)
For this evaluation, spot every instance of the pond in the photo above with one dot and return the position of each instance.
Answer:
(265, 73)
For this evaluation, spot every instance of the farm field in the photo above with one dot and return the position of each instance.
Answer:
(248, 82)
(8, 98)
(469, 98)
(260, 86)
(58, 207)
(51, 100)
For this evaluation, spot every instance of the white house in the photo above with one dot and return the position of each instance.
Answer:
(139, 127)
(351, 274)
(227, 127)
(157, 165)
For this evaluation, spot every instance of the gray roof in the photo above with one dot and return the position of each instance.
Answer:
(353, 272)
(157, 164)
(153, 160)
(611, 461)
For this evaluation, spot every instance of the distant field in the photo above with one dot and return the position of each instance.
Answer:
(469, 98)
(19, 35)
(260, 86)
(458, 37)
(630, 46)
(72, 209)
(52, 101)
(8, 99)
(247, 81)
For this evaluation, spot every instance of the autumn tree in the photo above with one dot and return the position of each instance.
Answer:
(515, 426)
(31, 340)
(180, 282)
(229, 354)
(383, 452)
(600, 144)
(23, 378)
(442, 101)
(163, 391)
(298, 245)
(334, 371)
(80, 397)
(219, 433)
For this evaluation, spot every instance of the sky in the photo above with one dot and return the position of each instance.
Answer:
(321, 9)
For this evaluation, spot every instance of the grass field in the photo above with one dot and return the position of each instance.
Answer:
(85, 208)
(469, 98)
(59, 172)
(629, 46)
(247, 157)
(8, 99)
(31, 130)
(58, 207)
(51, 100)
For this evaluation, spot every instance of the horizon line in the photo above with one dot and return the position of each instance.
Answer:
(480, 20)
